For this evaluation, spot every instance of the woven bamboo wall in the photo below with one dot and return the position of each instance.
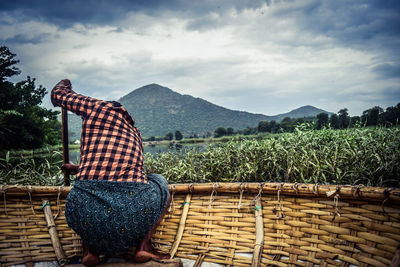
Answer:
(24, 235)
(220, 226)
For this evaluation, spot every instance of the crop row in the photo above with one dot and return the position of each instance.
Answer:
(368, 156)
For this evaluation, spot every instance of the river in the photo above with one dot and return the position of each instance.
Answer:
(154, 149)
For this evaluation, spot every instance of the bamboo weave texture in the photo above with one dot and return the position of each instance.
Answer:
(220, 227)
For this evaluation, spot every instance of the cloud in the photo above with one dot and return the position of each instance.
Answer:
(259, 56)
(65, 13)
(388, 70)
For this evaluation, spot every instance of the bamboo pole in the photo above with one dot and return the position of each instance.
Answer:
(181, 228)
(53, 232)
(258, 247)
(65, 144)
(389, 195)
(307, 190)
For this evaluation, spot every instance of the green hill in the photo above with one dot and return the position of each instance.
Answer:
(302, 112)
(158, 110)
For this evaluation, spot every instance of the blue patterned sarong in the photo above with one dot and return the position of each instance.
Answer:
(114, 216)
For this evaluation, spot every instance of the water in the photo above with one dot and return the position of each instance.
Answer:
(173, 147)
(154, 149)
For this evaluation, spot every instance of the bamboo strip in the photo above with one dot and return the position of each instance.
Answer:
(365, 234)
(181, 228)
(258, 246)
(304, 190)
(53, 232)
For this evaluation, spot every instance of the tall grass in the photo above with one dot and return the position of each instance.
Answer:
(369, 156)
(23, 169)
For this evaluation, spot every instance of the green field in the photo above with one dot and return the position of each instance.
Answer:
(368, 156)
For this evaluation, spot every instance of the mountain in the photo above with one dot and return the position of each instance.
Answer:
(158, 110)
(305, 111)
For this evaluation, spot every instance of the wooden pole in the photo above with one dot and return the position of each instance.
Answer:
(377, 194)
(301, 190)
(181, 227)
(64, 116)
(53, 232)
(258, 246)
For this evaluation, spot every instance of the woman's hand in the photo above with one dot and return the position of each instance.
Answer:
(70, 168)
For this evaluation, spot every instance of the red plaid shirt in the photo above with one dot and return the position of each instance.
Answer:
(111, 147)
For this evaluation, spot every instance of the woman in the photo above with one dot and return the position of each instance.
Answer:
(113, 205)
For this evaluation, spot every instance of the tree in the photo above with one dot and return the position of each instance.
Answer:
(247, 130)
(274, 126)
(372, 116)
(220, 131)
(322, 120)
(344, 119)
(23, 123)
(263, 127)
(169, 136)
(229, 131)
(354, 120)
(6, 64)
(287, 124)
(334, 121)
(391, 116)
(178, 135)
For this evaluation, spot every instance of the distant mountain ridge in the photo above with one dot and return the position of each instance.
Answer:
(301, 112)
(158, 110)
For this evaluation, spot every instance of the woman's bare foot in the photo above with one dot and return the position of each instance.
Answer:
(146, 252)
(143, 256)
(89, 258)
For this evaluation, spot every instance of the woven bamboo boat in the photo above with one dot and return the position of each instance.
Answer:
(230, 224)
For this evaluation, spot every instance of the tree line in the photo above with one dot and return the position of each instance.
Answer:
(24, 124)
(375, 116)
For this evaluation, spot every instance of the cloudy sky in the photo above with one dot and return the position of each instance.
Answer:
(259, 56)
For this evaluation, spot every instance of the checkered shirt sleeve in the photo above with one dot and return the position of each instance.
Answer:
(111, 147)
(63, 96)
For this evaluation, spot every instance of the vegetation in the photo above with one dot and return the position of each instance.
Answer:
(23, 123)
(27, 170)
(370, 117)
(369, 156)
(178, 135)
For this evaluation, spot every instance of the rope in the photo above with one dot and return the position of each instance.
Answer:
(241, 196)
(58, 202)
(279, 203)
(357, 191)
(315, 189)
(296, 188)
(335, 202)
(260, 189)
(190, 187)
(212, 195)
(47, 203)
(3, 190)
(172, 204)
(30, 199)
(185, 203)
